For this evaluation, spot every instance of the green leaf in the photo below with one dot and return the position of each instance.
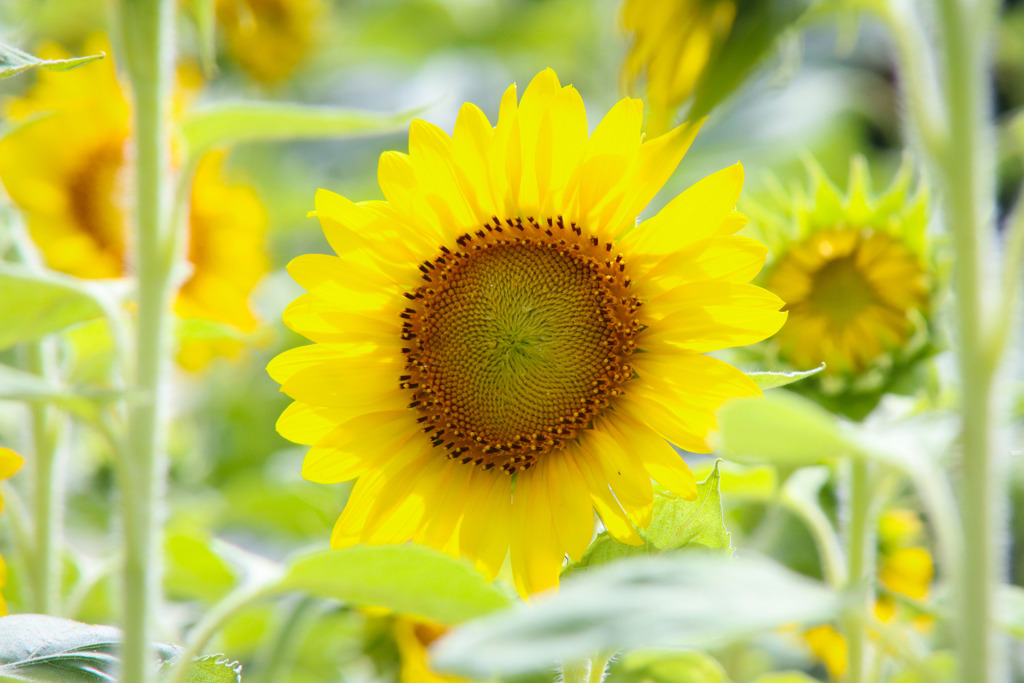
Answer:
(739, 483)
(668, 666)
(1010, 610)
(214, 669)
(237, 122)
(406, 578)
(774, 380)
(14, 61)
(37, 647)
(18, 385)
(786, 677)
(758, 25)
(672, 600)
(938, 667)
(782, 429)
(34, 304)
(676, 523)
(194, 570)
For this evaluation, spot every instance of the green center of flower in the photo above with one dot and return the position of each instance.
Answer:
(517, 340)
(839, 290)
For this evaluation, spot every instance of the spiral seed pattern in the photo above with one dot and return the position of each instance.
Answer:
(519, 336)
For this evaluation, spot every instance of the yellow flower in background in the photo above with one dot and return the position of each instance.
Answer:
(671, 43)
(227, 224)
(66, 167)
(904, 567)
(829, 646)
(854, 275)
(474, 360)
(269, 38)
(10, 462)
(413, 636)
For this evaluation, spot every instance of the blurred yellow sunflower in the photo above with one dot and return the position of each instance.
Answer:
(269, 38)
(499, 351)
(671, 43)
(905, 568)
(854, 277)
(413, 636)
(65, 165)
(10, 462)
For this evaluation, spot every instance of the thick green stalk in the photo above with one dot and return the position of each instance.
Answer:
(575, 672)
(47, 499)
(859, 568)
(966, 168)
(147, 38)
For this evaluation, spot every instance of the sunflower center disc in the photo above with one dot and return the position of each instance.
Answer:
(840, 291)
(517, 341)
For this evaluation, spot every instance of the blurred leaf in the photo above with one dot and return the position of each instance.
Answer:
(214, 669)
(14, 61)
(668, 666)
(744, 482)
(774, 380)
(34, 304)
(36, 647)
(786, 677)
(783, 429)
(938, 667)
(675, 524)
(194, 570)
(236, 122)
(405, 578)
(673, 600)
(758, 25)
(1010, 610)
(18, 385)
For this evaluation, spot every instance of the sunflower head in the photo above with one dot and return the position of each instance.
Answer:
(269, 38)
(227, 232)
(500, 350)
(855, 274)
(65, 166)
(671, 45)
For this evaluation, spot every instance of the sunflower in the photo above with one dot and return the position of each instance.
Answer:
(499, 351)
(854, 276)
(269, 38)
(65, 165)
(413, 636)
(10, 462)
(672, 42)
(905, 569)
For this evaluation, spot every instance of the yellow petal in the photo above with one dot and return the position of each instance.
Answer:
(694, 215)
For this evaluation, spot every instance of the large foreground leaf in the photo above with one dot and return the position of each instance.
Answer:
(406, 578)
(691, 599)
(36, 647)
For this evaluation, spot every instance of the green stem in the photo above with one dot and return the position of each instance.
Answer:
(859, 568)
(47, 482)
(599, 666)
(147, 37)
(212, 622)
(280, 649)
(967, 175)
(575, 672)
(829, 549)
